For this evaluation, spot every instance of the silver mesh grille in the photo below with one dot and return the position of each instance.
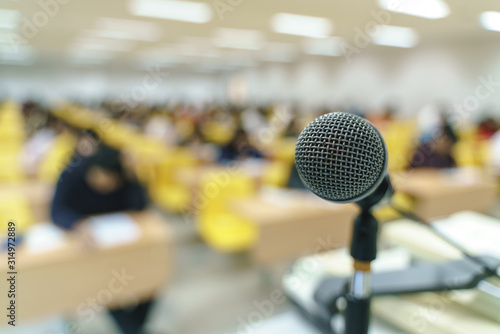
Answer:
(340, 156)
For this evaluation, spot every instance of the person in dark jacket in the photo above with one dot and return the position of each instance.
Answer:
(238, 148)
(437, 152)
(100, 184)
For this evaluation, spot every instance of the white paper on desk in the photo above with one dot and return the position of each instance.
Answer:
(475, 232)
(43, 237)
(114, 229)
(460, 177)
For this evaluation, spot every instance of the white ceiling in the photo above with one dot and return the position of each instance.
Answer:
(184, 40)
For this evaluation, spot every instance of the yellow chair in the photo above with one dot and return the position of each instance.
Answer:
(11, 142)
(218, 133)
(283, 149)
(57, 158)
(11, 123)
(465, 153)
(485, 156)
(10, 164)
(148, 155)
(277, 173)
(399, 137)
(222, 229)
(16, 208)
(164, 186)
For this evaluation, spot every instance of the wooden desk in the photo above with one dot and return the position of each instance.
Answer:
(441, 193)
(297, 225)
(71, 278)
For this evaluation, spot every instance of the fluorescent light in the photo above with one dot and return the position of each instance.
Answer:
(103, 44)
(490, 20)
(429, 9)
(9, 19)
(322, 47)
(187, 11)
(279, 52)
(401, 37)
(238, 39)
(308, 26)
(107, 27)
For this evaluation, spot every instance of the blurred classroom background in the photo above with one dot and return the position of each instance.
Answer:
(204, 101)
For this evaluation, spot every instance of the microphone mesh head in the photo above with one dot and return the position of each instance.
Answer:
(340, 157)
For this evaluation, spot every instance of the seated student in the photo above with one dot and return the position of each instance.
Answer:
(238, 148)
(100, 184)
(436, 152)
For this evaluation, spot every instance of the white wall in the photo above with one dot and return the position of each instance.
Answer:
(52, 84)
(409, 77)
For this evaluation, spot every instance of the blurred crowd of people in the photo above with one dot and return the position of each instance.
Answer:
(225, 133)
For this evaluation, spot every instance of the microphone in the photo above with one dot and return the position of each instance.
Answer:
(342, 158)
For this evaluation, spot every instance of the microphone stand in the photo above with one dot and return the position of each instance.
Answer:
(363, 251)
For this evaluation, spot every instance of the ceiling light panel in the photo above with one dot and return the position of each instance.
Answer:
(106, 27)
(429, 9)
(301, 25)
(9, 19)
(490, 20)
(401, 37)
(186, 11)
